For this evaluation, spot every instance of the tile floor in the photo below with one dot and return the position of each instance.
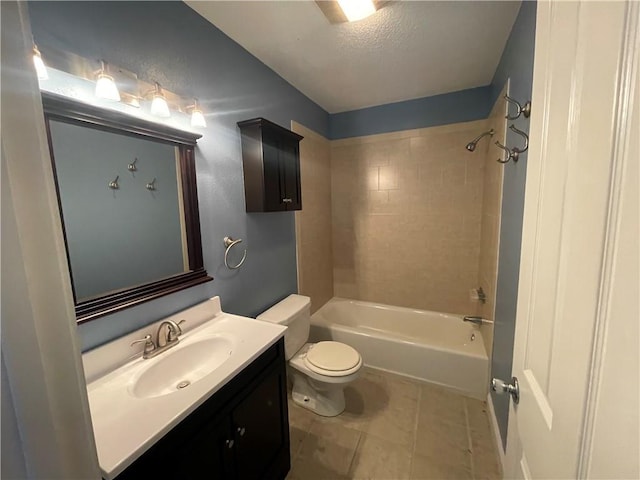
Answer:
(394, 428)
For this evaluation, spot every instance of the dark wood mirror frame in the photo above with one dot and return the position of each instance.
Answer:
(70, 111)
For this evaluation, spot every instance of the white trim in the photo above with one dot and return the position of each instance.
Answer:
(497, 438)
(40, 344)
(620, 157)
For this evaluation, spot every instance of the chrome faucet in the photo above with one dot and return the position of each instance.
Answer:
(168, 333)
(168, 336)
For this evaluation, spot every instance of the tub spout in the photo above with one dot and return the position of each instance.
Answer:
(476, 320)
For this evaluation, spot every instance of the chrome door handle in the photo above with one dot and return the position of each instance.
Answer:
(513, 388)
(287, 200)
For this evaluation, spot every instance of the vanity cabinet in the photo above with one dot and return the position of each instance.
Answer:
(241, 432)
(271, 166)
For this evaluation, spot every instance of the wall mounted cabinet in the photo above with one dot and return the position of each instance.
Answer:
(240, 432)
(271, 165)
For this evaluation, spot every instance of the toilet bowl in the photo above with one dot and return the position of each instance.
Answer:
(319, 371)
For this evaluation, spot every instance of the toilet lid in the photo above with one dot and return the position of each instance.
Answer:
(333, 356)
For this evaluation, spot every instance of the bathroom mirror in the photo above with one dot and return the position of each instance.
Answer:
(128, 202)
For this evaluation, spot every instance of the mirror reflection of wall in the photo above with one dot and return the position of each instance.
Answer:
(118, 238)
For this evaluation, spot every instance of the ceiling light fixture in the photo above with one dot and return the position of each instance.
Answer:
(357, 9)
(41, 68)
(105, 85)
(159, 106)
(197, 117)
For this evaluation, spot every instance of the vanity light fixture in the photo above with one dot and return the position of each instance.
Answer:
(357, 9)
(159, 106)
(105, 85)
(41, 68)
(197, 117)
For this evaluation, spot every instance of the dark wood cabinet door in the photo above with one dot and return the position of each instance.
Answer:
(260, 430)
(290, 166)
(208, 455)
(273, 179)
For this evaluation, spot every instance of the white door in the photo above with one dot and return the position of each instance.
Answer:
(582, 140)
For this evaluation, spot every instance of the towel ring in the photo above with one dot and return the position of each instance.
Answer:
(229, 243)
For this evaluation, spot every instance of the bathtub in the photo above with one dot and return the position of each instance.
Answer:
(429, 346)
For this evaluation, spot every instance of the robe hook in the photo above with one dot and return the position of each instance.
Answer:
(510, 154)
(520, 109)
(524, 135)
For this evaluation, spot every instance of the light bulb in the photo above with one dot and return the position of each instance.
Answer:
(197, 119)
(357, 9)
(41, 69)
(106, 88)
(159, 106)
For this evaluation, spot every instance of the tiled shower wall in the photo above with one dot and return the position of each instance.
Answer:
(313, 222)
(490, 217)
(407, 217)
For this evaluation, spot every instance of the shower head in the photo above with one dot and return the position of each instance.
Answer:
(471, 146)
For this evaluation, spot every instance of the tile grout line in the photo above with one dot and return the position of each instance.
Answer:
(469, 442)
(355, 451)
(299, 448)
(415, 432)
(306, 434)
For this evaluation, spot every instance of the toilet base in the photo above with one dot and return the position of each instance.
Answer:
(326, 400)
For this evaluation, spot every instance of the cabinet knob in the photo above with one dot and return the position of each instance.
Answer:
(241, 431)
(287, 200)
(229, 443)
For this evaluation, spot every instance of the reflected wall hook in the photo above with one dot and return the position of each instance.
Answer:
(520, 109)
(113, 184)
(229, 243)
(132, 166)
(151, 185)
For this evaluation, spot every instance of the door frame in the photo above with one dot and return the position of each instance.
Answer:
(39, 333)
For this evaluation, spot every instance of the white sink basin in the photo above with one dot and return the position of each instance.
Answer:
(182, 366)
(134, 402)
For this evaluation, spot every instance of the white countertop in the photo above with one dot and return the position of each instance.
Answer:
(124, 425)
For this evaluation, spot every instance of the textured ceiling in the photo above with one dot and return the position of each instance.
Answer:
(406, 50)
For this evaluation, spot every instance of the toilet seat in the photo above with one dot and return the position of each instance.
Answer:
(333, 359)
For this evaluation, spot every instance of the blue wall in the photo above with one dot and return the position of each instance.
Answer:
(170, 43)
(516, 64)
(460, 106)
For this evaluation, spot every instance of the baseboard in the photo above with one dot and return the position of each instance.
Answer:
(496, 431)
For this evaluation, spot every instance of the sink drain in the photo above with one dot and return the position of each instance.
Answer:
(183, 384)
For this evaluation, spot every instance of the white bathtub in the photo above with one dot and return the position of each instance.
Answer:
(429, 346)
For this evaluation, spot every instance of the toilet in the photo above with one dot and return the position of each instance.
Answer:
(320, 370)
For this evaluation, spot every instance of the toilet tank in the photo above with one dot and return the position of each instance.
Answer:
(295, 313)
